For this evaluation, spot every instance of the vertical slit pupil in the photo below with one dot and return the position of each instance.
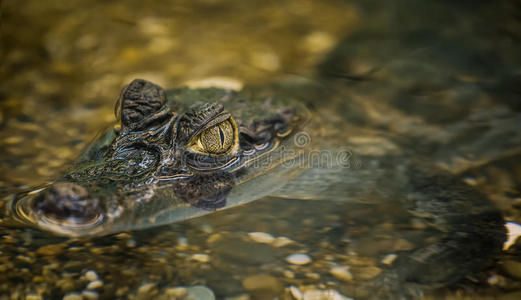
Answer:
(221, 133)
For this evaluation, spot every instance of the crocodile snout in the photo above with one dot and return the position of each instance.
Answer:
(67, 202)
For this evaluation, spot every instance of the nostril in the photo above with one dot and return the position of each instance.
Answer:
(67, 201)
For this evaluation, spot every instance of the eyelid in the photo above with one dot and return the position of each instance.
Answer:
(223, 116)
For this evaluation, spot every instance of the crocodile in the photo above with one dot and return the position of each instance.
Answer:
(185, 152)
(169, 159)
(357, 133)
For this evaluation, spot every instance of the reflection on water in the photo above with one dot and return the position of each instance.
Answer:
(442, 78)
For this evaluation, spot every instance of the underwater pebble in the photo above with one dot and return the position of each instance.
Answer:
(471, 181)
(261, 237)
(51, 250)
(146, 288)
(91, 275)
(493, 280)
(72, 296)
(319, 41)
(368, 272)
(122, 291)
(296, 293)
(65, 284)
(25, 259)
(324, 295)
(497, 280)
(199, 292)
(95, 285)
(123, 236)
(200, 257)
(177, 292)
(389, 259)
(282, 241)
(288, 274)
(213, 238)
(513, 231)
(298, 259)
(342, 273)
(97, 250)
(261, 282)
(89, 295)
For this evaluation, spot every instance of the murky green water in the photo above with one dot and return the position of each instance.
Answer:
(457, 69)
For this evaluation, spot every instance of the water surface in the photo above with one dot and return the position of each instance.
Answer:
(63, 65)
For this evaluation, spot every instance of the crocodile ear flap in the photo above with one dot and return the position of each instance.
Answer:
(141, 103)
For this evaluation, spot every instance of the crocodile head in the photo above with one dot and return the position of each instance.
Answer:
(172, 156)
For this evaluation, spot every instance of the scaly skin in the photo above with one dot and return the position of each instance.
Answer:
(150, 168)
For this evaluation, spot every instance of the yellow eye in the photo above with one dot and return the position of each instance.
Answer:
(219, 139)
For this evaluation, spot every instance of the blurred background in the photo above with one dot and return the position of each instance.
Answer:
(64, 63)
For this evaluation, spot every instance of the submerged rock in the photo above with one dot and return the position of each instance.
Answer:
(96, 284)
(298, 259)
(91, 275)
(262, 286)
(342, 273)
(324, 295)
(199, 292)
(261, 237)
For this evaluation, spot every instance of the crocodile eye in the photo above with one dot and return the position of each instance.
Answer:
(219, 139)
